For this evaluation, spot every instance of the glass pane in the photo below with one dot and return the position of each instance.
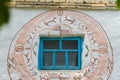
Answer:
(70, 44)
(47, 59)
(73, 58)
(51, 44)
(60, 59)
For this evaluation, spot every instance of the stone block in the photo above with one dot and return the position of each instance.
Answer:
(48, 0)
(109, 1)
(38, 6)
(73, 1)
(23, 6)
(105, 1)
(110, 5)
(98, 1)
(62, 0)
(41, 0)
(51, 4)
(84, 6)
(56, 0)
(32, 0)
(67, 4)
(52, 7)
(19, 0)
(89, 1)
(79, 1)
(98, 6)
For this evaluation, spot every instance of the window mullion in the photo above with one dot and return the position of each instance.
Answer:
(41, 52)
(39, 56)
(79, 58)
(54, 59)
(67, 60)
(60, 44)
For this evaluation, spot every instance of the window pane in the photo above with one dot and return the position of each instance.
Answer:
(60, 59)
(47, 59)
(70, 44)
(51, 44)
(73, 59)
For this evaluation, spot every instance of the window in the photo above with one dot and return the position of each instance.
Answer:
(60, 53)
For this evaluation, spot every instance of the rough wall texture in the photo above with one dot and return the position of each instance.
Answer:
(78, 1)
(109, 22)
(80, 4)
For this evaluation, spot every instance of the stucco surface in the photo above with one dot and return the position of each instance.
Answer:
(109, 20)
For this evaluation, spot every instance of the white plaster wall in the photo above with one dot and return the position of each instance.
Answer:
(109, 19)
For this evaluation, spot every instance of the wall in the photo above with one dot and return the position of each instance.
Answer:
(109, 20)
(80, 4)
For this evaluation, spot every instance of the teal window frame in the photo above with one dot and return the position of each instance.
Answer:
(54, 67)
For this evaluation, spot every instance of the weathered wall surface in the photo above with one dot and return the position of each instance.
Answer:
(80, 4)
(109, 20)
(78, 1)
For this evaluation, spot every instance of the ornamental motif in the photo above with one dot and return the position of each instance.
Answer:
(97, 55)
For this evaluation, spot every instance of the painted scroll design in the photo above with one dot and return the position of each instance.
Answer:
(22, 61)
